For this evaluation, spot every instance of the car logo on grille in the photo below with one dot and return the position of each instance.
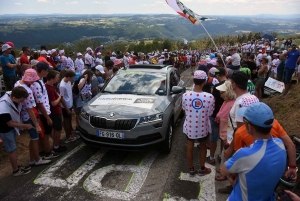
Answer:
(112, 114)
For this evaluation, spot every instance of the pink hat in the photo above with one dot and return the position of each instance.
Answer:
(30, 75)
(117, 62)
(246, 101)
(212, 70)
(10, 44)
(200, 74)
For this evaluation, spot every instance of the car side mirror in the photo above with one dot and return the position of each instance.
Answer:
(176, 90)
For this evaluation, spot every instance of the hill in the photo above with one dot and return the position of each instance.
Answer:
(36, 30)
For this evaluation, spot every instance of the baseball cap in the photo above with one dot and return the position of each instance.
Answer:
(108, 52)
(61, 51)
(10, 44)
(245, 102)
(275, 54)
(220, 71)
(43, 52)
(98, 53)
(200, 75)
(239, 78)
(52, 51)
(246, 70)
(259, 114)
(222, 87)
(259, 50)
(117, 62)
(30, 75)
(42, 66)
(212, 70)
(100, 68)
(6, 47)
(87, 49)
(79, 54)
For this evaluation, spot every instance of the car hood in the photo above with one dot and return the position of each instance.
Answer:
(129, 106)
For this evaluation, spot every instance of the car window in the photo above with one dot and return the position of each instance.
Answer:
(133, 82)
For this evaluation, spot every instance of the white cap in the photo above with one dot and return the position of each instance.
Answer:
(87, 49)
(5, 47)
(79, 54)
(259, 50)
(100, 68)
(275, 54)
(52, 51)
(98, 53)
(61, 51)
(265, 55)
(42, 52)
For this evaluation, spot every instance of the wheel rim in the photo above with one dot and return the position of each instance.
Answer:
(170, 136)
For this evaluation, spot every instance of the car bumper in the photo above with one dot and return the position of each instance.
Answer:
(144, 137)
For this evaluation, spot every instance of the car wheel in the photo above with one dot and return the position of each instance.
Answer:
(182, 113)
(167, 143)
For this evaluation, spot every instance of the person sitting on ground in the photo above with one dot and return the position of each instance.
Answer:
(196, 126)
(10, 122)
(255, 171)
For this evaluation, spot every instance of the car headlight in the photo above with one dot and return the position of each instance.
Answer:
(84, 114)
(151, 118)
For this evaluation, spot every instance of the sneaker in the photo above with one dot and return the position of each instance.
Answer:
(21, 172)
(26, 168)
(225, 190)
(50, 155)
(192, 172)
(42, 162)
(204, 172)
(60, 149)
(72, 138)
(210, 161)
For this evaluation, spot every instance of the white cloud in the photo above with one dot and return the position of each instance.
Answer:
(19, 4)
(72, 2)
(187, 0)
(100, 2)
(42, 1)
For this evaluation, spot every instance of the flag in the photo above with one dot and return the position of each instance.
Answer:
(185, 41)
(185, 12)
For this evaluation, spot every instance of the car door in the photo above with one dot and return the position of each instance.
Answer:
(176, 98)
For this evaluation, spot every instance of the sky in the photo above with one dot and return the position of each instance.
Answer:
(201, 7)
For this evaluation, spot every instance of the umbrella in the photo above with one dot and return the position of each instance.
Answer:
(268, 36)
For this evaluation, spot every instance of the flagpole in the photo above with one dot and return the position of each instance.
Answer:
(213, 42)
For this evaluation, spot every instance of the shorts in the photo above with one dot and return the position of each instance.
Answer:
(9, 140)
(199, 139)
(32, 132)
(9, 82)
(47, 128)
(287, 75)
(215, 130)
(80, 102)
(57, 122)
(260, 82)
(65, 114)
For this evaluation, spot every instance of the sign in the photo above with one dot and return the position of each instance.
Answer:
(275, 85)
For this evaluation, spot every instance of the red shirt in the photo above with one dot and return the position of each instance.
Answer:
(53, 96)
(24, 59)
(132, 62)
(52, 62)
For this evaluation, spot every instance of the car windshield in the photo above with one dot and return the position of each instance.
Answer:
(141, 83)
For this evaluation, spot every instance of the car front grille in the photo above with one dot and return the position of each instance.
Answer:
(120, 124)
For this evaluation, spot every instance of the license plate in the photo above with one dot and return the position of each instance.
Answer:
(109, 134)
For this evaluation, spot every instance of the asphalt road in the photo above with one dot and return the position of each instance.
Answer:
(85, 173)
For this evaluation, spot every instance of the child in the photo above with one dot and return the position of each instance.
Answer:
(65, 88)
(198, 106)
(10, 108)
(250, 85)
(56, 112)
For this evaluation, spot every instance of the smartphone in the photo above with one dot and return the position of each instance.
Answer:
(284, 196)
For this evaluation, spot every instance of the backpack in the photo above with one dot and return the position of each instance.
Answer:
(75, 88)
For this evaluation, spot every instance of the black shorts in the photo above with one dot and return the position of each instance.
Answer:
(199, 140)
(47, 128)
(65, 114)
(57, 122)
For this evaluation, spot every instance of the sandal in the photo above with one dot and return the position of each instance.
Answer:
(220, 178)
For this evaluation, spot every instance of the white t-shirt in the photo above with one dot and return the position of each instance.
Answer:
(79, 65)
(235, 59)
(234, 117)
(65, 89)
(41, 95)
(99, 61)
(198, 108)
(28, 103)
(88, 59)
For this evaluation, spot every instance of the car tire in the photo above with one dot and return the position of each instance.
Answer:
(182, 113)
(167, 143)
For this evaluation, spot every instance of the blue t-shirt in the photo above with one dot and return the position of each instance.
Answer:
(5, 59)
(292, 59)
(259, 169)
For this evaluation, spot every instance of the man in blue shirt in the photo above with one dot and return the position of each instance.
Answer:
(290, 65)
(255, 171)
(9, 65)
